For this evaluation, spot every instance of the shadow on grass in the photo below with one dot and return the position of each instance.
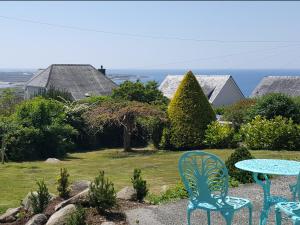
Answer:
(132, 153)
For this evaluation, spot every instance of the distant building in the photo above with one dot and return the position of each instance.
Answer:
(289, 85)
(219, 89)
(80, 80)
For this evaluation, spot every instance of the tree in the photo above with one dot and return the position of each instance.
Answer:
(189, 112)
(137, 91)
(8, 101)
(276, 104)
(121, 113)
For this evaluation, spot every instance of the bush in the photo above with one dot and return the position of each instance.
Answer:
(139, 185)
(102, 194)
(275, 134)
(275, 104)
(171, 194)
(8, 101)
(219, 135)
(40, 131)
(189, 113)
(41, 199)
(78, 217)
(238, 113)
(63, 183)
(240, 175)
(56, 94)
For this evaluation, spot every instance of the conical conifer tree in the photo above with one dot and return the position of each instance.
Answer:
(189, 113)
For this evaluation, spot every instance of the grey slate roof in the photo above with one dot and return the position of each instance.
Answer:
(78, 79)
(211, 84)
(289, 85)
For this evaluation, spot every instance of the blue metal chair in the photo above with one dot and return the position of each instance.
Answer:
(205, 178)
(291, 209)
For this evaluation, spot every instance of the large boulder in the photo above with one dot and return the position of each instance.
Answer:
(60, 217)
(81, 198)
(9, 215)
(127, 193)
(27, 204)
(38, 219)
(79, 186)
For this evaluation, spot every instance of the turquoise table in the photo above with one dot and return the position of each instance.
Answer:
(273, 167)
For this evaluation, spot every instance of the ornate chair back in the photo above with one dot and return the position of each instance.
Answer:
(205, 177)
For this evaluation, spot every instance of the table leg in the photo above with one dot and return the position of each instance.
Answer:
(265, 184)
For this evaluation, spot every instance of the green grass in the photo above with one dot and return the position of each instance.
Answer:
(158, 168)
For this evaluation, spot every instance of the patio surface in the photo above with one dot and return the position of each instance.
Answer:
(175, 213)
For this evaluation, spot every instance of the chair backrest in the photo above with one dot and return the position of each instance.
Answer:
(205, 177)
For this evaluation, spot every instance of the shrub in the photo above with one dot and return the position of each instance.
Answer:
(63, 183)
(171, 194)
(189, 113)
(8, 101)
(102, 194)
(238, 113)
(240, 175)
(139, 185)
(78, 217)
(56, 94)
(275, 134)
(219, 135)
(276, 104)
(41, 199)
(40, 131)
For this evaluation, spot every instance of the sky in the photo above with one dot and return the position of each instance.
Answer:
(151, 35)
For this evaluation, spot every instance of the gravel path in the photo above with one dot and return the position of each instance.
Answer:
(174, 213)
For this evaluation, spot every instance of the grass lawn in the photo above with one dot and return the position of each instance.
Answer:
(158, 168)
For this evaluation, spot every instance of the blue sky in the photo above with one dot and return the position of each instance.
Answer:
(31, 45)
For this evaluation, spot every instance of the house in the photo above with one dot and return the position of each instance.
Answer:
(289, 85)
(220, 90)
(80, 80)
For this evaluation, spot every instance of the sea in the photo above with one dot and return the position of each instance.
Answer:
(247, 79)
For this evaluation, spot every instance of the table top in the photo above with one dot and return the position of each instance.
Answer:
(270, 166)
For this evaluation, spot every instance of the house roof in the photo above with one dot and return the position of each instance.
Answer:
(211, 84)
(289, 85)
(78, 79)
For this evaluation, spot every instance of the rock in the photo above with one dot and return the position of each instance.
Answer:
(79, 186)
(9, 215)
(108, 223)
(127, 193)
(27, 202)
(38, 219)
(60, 217)
(52, 160)
(81, 198)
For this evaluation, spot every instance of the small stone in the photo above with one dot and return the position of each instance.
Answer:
(60, 217)
(108, 223)
(38, 219)
(127, 193)
(52, 160)
(9, 215)
(81, 198)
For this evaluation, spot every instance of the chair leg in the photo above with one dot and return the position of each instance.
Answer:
(189, 211)
(208, 217)
(228, 216)
(250, 214)
(278, 216)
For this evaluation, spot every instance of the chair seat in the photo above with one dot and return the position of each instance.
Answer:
(235, 202)
(292, 209)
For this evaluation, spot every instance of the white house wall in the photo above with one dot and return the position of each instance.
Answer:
(30, 91)
(228, 95)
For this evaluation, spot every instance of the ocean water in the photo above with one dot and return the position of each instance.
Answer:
(247, 79)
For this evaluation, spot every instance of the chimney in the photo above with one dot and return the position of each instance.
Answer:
(102, 70)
